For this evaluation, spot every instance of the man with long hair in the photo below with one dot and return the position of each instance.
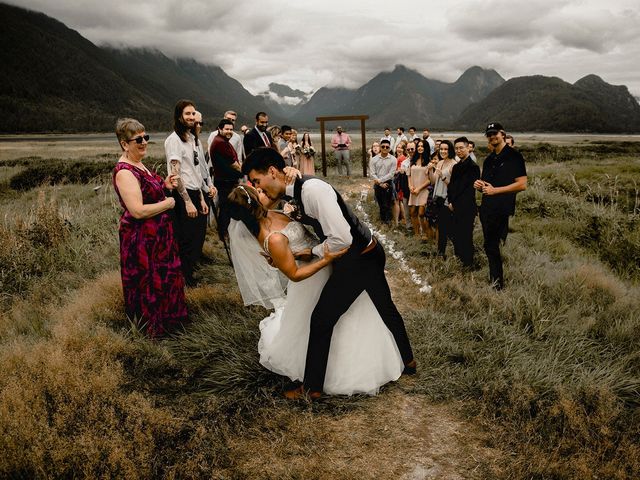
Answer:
(191, 210)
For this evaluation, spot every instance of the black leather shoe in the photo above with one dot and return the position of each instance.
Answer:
(410, 368)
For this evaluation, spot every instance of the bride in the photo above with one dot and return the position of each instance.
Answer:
(363, 354)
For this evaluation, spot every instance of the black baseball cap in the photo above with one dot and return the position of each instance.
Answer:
(493, 128)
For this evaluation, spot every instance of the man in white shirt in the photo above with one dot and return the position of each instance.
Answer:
(412, 134)
(387, 136)
(382, 167)
(401, 137)
(236, 138)
(285, 136)
(191, 210)
(362, 267)
(208, 189)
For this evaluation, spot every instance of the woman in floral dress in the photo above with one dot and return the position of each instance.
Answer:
(152, 280)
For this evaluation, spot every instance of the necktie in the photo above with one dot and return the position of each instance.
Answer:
(265, 140)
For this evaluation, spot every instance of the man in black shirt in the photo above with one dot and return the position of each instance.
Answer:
(462, 201)
(503, 175)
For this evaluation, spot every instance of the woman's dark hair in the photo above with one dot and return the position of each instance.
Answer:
(304, 142)
(178, 126)
(450, 153)
(416, 156)
(244, 205)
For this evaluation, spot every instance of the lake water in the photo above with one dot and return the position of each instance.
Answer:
(81, 145)
(371, 135)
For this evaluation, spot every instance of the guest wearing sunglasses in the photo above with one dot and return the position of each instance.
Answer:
(190, 214)
(382, 169)
(152, 281)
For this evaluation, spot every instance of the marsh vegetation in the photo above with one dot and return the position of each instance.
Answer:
(537, 381)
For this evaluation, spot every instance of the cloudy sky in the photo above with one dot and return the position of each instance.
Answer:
(308, 44)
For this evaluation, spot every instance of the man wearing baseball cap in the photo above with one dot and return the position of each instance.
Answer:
(503, 175)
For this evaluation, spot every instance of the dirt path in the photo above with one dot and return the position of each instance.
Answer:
(396, 436)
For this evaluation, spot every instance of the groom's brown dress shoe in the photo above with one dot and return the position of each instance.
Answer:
(410, 368)
(300, 393)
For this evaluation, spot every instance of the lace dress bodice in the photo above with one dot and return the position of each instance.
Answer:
(299, 237)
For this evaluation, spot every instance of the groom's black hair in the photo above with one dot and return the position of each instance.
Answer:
(261, 159)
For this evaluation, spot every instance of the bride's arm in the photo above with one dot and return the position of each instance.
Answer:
(284, 260)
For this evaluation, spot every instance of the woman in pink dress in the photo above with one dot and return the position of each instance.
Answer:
(418, 183)
(307, 156)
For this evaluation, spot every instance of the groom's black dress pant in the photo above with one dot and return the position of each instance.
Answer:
(352, 274)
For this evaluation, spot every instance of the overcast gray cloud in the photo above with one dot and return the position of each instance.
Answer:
(310, 44)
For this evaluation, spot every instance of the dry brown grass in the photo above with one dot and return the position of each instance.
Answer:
(396, 435)
(67, 407)
(539, 381)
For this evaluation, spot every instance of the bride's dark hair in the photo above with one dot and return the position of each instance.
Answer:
(244, 205)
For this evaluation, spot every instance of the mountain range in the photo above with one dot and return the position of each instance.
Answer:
(55, 80)
(549, 104)
(403, 97)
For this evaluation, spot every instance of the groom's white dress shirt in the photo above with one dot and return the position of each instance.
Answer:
(320, 202)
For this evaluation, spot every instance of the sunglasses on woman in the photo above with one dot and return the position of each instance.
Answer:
(139, 139)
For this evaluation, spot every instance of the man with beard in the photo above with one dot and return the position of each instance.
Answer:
(226, 170)
(236, 139)
(341, 143)
(503, 175)
(426, 137)
(258, 136)
(191, 210)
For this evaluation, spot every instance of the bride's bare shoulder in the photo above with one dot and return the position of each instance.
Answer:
(277, 244)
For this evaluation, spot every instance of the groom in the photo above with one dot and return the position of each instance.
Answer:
(361, 268)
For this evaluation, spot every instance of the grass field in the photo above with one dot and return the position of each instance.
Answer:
(539, 381)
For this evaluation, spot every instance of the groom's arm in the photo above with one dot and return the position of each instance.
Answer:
(320, 202)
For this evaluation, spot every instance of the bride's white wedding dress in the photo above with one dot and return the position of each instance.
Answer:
(363, 354)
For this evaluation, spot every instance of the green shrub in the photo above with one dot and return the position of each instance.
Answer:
(60, 172)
